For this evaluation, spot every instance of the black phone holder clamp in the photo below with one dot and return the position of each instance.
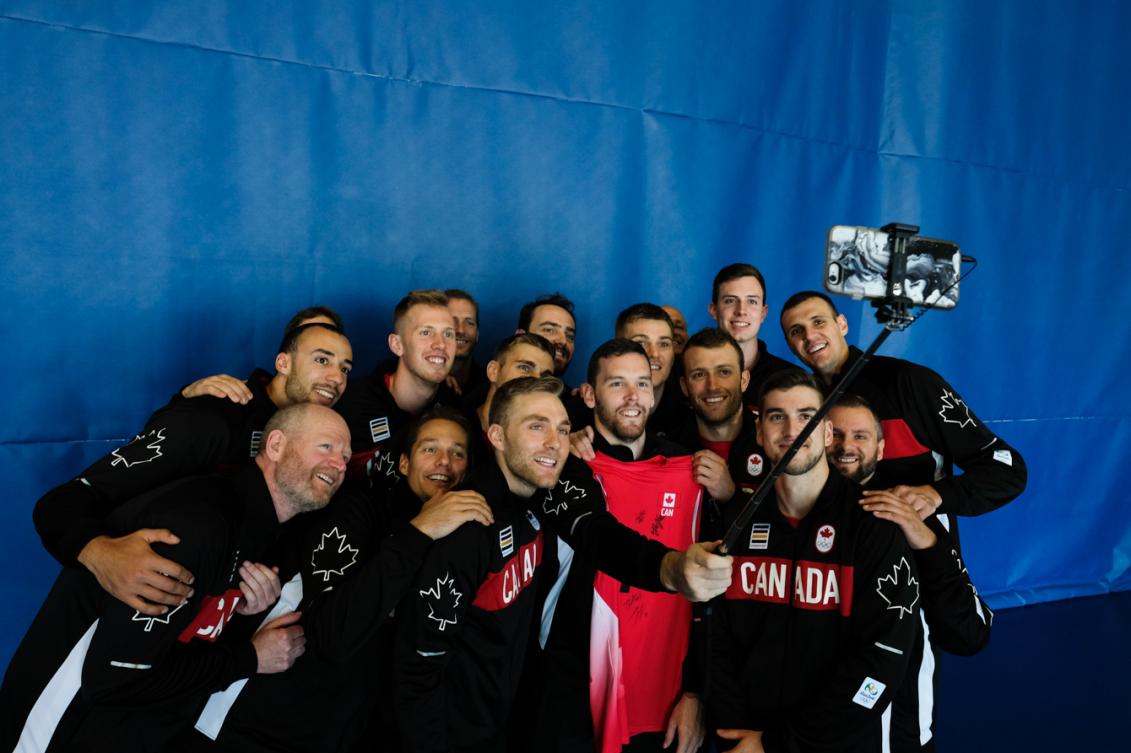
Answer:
(894, 310)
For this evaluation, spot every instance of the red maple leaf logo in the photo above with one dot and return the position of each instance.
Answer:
(826, 532)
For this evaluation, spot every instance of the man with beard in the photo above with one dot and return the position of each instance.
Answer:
(379, 407)
(551, 316)
(811, 640)
(955, 618)
(462, 643)
(186, 437)
(730, 461)
(650, 326)
(93, 672)
(467, 375)
(927, 426)
(613, 644)
(358, 560)
(927, 429)
(738, 306)
(236, 389)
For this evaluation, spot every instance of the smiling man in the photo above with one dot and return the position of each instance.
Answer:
(614, 641)
(551, 316)
(93, 672)
(466, 371)
(824, 600)
(955, 618)
(186, 437)
(379, 407)
(357, 561)
(462, 633)
(729, 461)
(651, 327)
(738, 306)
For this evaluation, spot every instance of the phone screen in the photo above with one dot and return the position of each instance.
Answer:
(858, 259)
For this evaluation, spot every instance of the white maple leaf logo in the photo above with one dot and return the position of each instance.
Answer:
(898, 587)
(442, 599)
(332, 556)
(383, 463)
(959, 412)
(565, 492)
(143, 449)
(151, 620)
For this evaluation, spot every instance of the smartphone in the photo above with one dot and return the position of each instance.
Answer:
(858, 259)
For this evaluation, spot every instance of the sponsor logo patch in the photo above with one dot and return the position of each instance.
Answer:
(506, 541)
(754, 465)
(826, 535)
(1004, 456)
(379, 429)
(869, 692)
(760, 536)
(667, 510)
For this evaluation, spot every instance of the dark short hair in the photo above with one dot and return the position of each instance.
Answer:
(300, 318)
(787, 379)
(855, 401)
(799, 298)
(526, 313)
(311, 312)
(292, 336)
(618, 346)
(713, 337)
(437, 413)
(642, 311)
(417, 298)
(455, 294)
(522, 338)
(508, 392)
(733, 272)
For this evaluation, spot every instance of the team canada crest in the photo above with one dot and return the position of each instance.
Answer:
(825, 537)
(754, 465)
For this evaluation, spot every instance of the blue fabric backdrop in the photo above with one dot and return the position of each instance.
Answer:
(176, 178)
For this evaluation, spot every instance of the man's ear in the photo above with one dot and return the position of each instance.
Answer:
(714, 312)
(283, 363)
(274, 445)
(842, 323)
(396, 345)
(745, 380)
(828, 432)
(493, 367)
(880, 451)
(683, 386)
(588, 396)
(495, 436)
(402, 465)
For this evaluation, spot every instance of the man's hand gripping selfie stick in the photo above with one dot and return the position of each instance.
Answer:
(893, 312)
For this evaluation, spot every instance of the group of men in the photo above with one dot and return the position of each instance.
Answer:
(440, 556)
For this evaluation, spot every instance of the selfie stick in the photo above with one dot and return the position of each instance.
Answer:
(893, 312)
